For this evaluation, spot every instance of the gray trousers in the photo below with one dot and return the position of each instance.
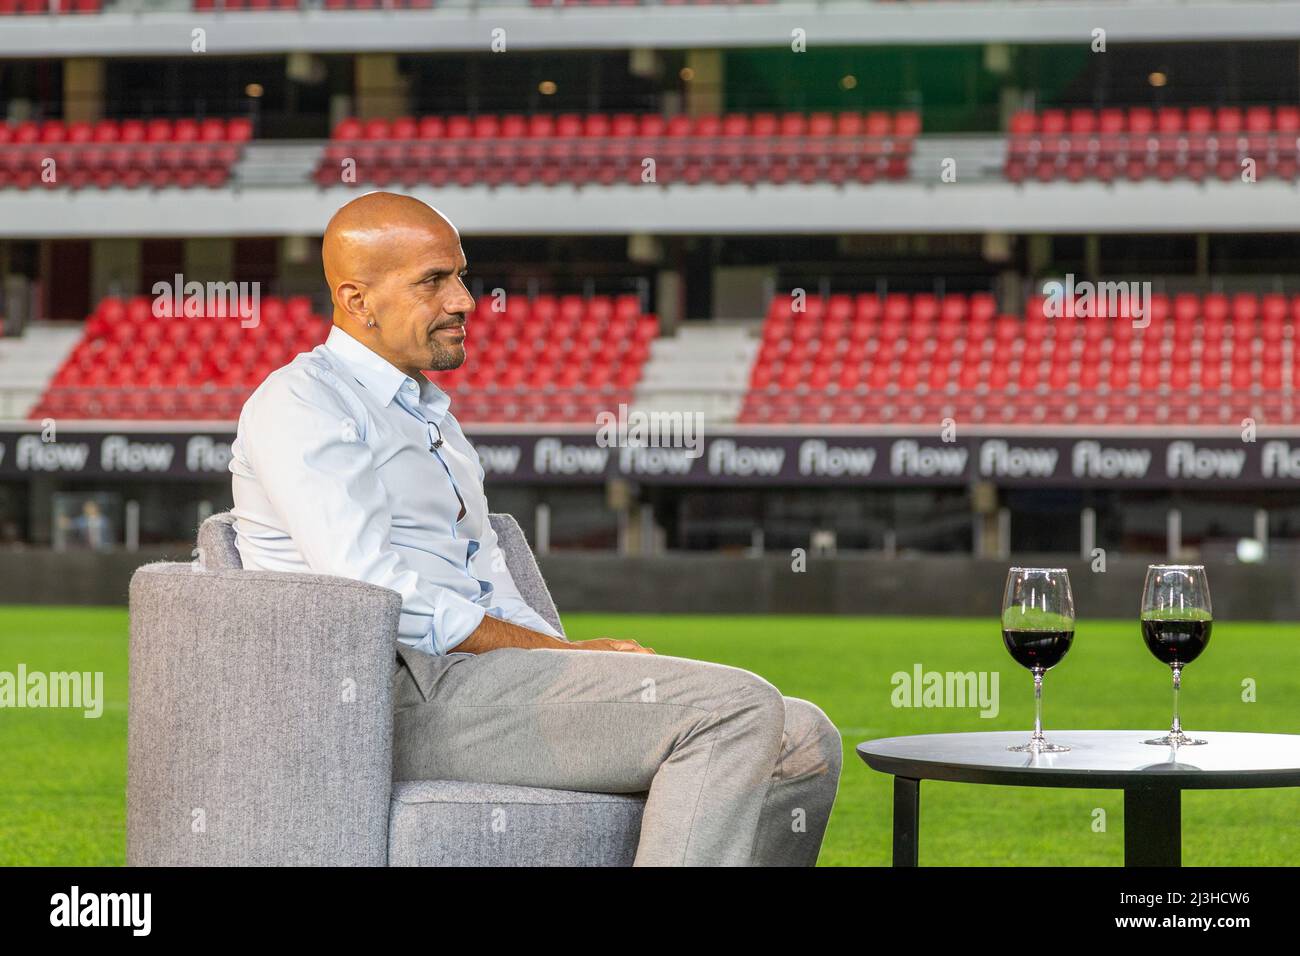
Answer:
(736, 774)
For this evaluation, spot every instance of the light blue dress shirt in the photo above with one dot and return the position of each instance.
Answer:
(333, 473)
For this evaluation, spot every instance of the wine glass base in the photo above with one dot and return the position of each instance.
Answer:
(1040, 747)
(1175, 740)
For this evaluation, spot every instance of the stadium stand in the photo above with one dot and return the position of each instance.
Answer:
(604, 148)
(256, 5)
(899, 358)
(242, 5)
(1141, 143)
(552, 359)
(634, 3)
(127, 153)
(31, 7)
(130, 364)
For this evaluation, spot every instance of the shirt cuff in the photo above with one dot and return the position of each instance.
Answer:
(526, 617)
(546, 628)
(454, 619)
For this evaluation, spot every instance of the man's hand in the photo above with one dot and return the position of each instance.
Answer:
(493, 633)
(611, 644)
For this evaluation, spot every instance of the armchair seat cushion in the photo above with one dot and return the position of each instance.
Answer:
(452, 823)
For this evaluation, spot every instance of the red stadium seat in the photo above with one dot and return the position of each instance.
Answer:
(1140, 143)
(144, 368)
(602, 148)
(911, 356)
(127, 153)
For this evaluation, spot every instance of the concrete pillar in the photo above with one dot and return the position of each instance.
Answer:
(83, 90)
(15, 295)
(1003, 521)
(41, 511)
(1087, 533)
(997, 61)
(620, 498)
(650, 534)
(985, 521)
(1039, 254)
(1011, 292)
(1261, 530)
(704, 93)
(114, 268)
(7, 326)
(542, 522)
(380, 87)
(1092, 256)
(669, 299)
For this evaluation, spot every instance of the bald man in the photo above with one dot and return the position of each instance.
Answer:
(349, 462)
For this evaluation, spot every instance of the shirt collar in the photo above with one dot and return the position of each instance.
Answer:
(381, 377)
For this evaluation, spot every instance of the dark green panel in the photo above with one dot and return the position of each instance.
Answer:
(949, 85)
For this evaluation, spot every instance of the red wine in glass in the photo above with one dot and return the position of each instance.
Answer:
(1176, 623)
(1037, 630)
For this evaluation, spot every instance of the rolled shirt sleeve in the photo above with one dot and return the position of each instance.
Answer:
(319, 475)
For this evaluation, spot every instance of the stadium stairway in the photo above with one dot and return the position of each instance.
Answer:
(277, 163)
(976, 157)
(29, 361)
(719, 353)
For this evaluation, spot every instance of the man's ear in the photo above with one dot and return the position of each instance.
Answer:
(350, 296)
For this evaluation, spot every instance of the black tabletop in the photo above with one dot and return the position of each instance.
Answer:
(1106, 759)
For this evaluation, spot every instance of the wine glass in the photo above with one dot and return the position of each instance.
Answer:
(1176, 624)
(1038, 628)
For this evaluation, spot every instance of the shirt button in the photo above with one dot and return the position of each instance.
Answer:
(410, 386)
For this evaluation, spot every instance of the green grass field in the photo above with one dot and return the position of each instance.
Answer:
(63, 777)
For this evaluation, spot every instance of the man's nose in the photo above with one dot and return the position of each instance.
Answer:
(463, 302)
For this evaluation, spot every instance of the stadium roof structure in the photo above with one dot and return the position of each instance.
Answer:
(168, 32)
(825, 209)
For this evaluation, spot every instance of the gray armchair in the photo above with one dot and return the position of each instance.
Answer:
(260, 731)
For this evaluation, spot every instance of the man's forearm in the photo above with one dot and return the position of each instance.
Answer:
(493, 633)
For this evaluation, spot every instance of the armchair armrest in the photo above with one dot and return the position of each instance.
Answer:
(260, 718)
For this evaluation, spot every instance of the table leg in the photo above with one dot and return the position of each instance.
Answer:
(907, 820)
(1153, 827)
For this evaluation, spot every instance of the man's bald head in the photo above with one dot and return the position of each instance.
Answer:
(368, 233)
(395, 267)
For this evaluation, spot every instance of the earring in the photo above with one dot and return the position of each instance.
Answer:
(370, 324)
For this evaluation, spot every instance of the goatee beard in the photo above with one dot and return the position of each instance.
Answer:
(446, 359)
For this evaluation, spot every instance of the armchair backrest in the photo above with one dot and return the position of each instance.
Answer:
(523, 568)
(217, 552)
(216, 544)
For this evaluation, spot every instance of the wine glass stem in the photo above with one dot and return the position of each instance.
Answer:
(1178, 681)
(1038, 703)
